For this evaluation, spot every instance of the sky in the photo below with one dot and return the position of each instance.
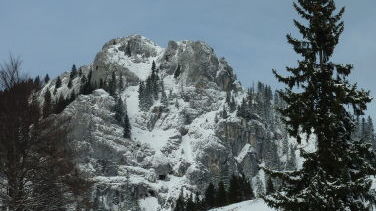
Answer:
(49, 36)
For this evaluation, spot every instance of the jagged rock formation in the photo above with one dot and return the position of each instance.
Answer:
(182, 144)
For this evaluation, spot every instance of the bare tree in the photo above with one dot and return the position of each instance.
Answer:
(10, 72)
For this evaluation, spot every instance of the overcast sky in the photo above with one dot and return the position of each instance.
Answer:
(52, 35)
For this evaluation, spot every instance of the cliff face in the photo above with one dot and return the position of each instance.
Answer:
(182, 144)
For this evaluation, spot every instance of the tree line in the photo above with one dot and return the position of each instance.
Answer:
(37, 166)
(239, 189)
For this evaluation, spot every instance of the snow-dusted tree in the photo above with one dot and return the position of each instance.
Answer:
(336, 176)
(126, 127)
(47, 105)
(119, 110)
(164, 99)
(58, 83)
(112, 85)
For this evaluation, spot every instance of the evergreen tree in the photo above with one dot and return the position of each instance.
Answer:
(73, 72)
(269, 186)
(46, 78)
(121, 82)
(164, 99)
(180, 204)
(112, 85)
(234, 192)
(177, 71)
(58, 83)
(119, 110)
(141, 96)
(47, 106)
(70, 83)
(335, 177)
(210, 196)
(127, 127)
(221, 196)
(190, 205)
(153, 66)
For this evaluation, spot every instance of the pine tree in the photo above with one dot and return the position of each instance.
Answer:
(234, 192)
(141, 96)
(112, 85)
(210, 196)
(269, 186)
(46, 78)
(121, 82)
(177, 71)
(73, 72)
(221, 196)
(58, 83)
(180, 204)
(70, 84)
(164, 99)
(47, 106)
(335, 177)
(127, 127)
(119, 111)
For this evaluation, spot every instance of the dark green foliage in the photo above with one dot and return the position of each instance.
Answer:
(112, 85)
(149, 91)
(86, 87)
(47, 105)
(37, 80)
(70, 83)
(180, 203)
(234, 191)
(73, 72)
(127, 127)
(210, 196)
(121, 82)
(177, 71)
(239, 190)
(153, 66)
(336, 176)
(46, 78)
(119, 110)
(58, 83)
(269, 186)
(221, 195)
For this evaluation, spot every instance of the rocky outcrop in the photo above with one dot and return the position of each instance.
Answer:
(184, 143)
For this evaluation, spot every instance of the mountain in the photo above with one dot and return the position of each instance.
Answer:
(206, 127)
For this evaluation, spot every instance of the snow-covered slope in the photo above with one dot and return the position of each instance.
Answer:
(179, 146)
(253, 205)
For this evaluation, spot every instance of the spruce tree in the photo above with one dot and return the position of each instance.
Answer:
(46, 78)
(127, 127)
(210, 196)
(269, 186)
(112, 85)
(234, 192)
(73, 72)
(336, 175)
(47, 106)
(221, 196)
(58, 82)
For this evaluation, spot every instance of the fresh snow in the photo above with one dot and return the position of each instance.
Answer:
(252, 205)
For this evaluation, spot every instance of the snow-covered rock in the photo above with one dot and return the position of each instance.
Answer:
(257, 205)
(183, 145)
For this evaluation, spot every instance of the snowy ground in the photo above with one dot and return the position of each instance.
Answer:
(252, 205)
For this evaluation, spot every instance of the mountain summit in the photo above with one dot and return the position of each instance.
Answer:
(191, 123)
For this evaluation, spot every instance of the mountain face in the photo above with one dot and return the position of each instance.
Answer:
(182, 144)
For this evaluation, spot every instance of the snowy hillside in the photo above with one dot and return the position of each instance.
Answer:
(201, 132)
(253, 205)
